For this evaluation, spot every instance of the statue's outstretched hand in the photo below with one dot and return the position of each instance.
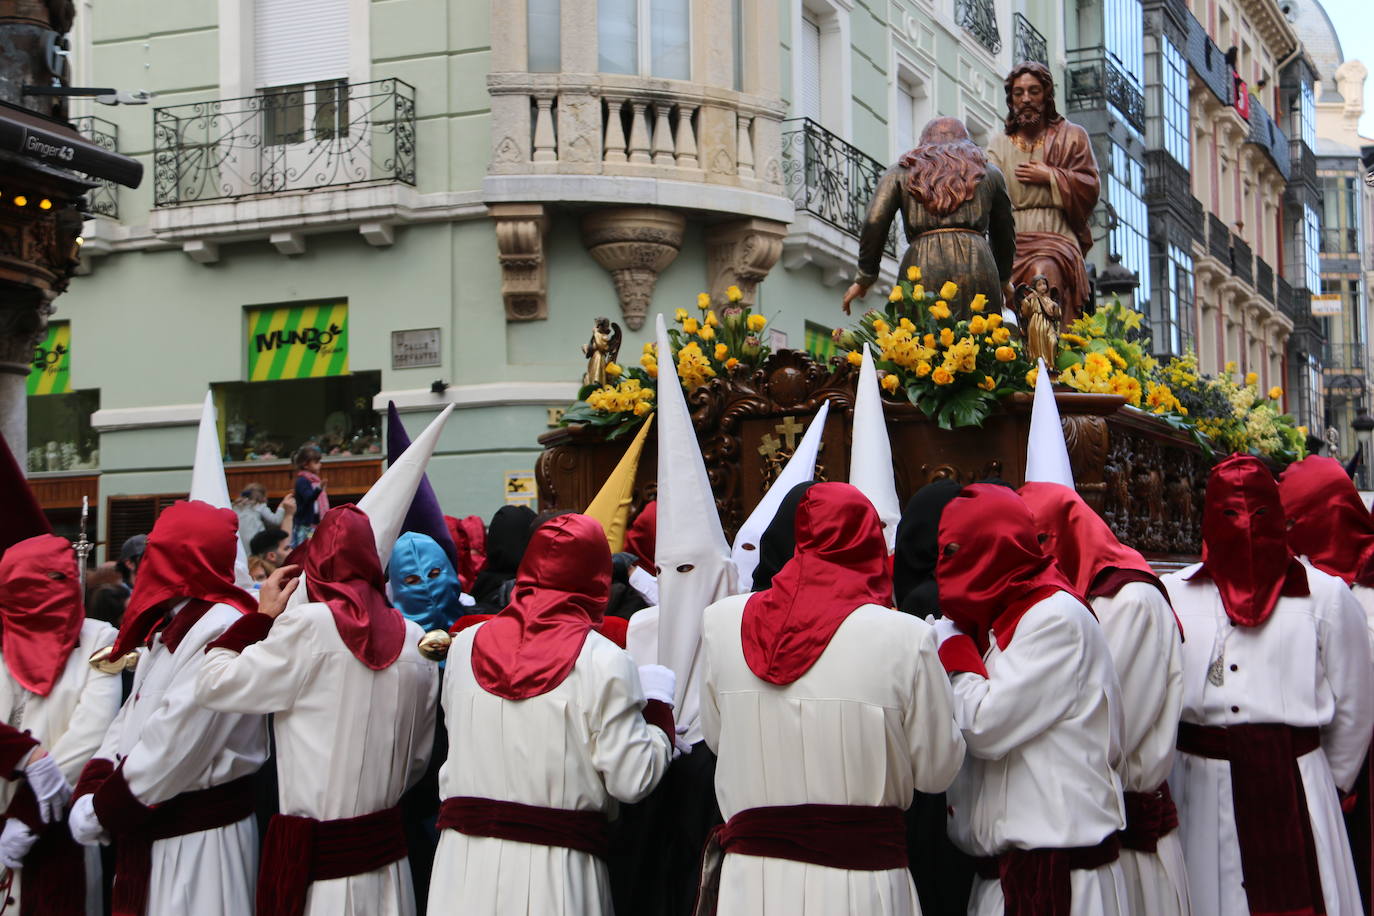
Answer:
(855, 291)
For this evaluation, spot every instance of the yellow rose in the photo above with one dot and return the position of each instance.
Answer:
(613, 370)
(1275, 393)
(918, 291)
(731, 363)
(1251, 378)
(1001, 334)
(1230, 366)
(946, 337)
(922, 369)
(690, 325)
(1032, 376)
(940, 310)
(756, 323)
(855, 357)
(711, 320)
(722, 351)
(880, 326)
(889, 383)
(929, 341)
(643, 407)
(979, 303)
(941, 376)
(703, 301)
(913, 273)
(651, 370)
(650, 348)
(949, 290)
(733, 294)
(994, 321)
(906, 325)
(977, 325)
(1004, 354)
(895, 295)
(681, 315)
(987, 384)
(707, 333)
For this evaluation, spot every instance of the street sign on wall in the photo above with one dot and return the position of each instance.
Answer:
(51, 372)
(1326, 303)
(297, 341)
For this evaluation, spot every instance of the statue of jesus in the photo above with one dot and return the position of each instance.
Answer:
(1053, 182)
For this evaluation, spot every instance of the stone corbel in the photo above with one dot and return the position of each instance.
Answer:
(634, 244)
(520, 231)
(740, 253)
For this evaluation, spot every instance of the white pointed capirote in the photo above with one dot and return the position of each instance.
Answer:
(208, 483)
(691, 552)
(1047, 455)
(870, 458)
(387, 503)
(800, 468)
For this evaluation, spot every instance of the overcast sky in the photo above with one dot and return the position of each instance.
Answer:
(1354, 21)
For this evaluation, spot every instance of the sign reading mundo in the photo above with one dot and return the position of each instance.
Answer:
(51, 372)
(297, 341)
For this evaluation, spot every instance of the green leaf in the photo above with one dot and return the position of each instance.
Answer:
(1066, 359)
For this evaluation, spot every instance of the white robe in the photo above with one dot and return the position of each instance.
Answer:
(581, 746)
(1044, 743)
(1307, 665)
(1365, 595)
(169, 744)
(869, 724)
(350, 740)
(1142, 634)
(70, 722)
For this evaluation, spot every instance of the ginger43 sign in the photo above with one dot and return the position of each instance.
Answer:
(297, 341)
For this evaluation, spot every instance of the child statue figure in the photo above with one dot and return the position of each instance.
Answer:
(1040, 314)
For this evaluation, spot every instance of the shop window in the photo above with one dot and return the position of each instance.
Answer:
(59, 428)
(268, 421)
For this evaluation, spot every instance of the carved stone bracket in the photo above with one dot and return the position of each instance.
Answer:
(634, 244)
(520, 231)
(740, 253)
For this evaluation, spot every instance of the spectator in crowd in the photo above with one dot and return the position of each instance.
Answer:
(260, 569)
(270, 545)
(311, 501)
(130, 555)
(106, 594)
(255, 515)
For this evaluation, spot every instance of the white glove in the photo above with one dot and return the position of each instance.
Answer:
(49, 785)
(15, 843)
(85, 826)
(945, 630)
(680, 744)
(658, 683)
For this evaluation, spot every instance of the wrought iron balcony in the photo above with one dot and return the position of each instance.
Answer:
(979, 18)
(1029, 43)
(1340, 240)
(1198, 220)
(297, 138)
(1218, 239)
(103, 200)
(1269, 137)
(829, 178)
(1285, 299)
(1264, 279)
(1096, 80)
(1209, 62)
(1343, 356)
(1242, 260)
(1303, 162)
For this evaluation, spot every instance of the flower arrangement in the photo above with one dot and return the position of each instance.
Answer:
(1106, 352)
(704, 346)
(955, 371)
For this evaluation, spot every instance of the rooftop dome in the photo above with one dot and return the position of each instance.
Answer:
(1318, 36)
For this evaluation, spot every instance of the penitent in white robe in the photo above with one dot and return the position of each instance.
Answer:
(1307, 665)
(70, 722)
(870, 723)
(582, 746)
(1044, 740)
(170, 744)
(1365, 595)
(350, 740)
(1142, 634)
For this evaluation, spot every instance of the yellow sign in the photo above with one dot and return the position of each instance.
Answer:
(1326, 303)
(297, 341)
(520, 488)
(51, 372)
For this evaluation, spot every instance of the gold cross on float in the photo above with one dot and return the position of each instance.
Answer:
(769, 445)
(790, 429)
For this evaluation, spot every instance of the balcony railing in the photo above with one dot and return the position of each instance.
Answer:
(1345, 357)
(1198, 222)
(829, 178)
(1269, 137)
(1287, 303)
(1096, 80)
(979, 18)
(103, 200)
(1218, 239)
(1242, 260)
(298, 138)
(1340, 240)
(1029, 43)
(1302, 161)
(1264, 279)
(1208, 61)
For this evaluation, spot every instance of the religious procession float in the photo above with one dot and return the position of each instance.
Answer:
(992, 284)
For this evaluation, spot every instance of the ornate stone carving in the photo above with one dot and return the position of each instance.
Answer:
(634, 244)
(740, 253)
(520, 231)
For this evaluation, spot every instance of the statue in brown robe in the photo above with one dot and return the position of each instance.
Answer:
(957, 215)
(1053, 181)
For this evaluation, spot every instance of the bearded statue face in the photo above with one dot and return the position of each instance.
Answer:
(1027, 103)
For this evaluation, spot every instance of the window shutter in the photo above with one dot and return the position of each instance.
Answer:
(127, 516)
(810, 93)
(300, 41)
(906, 118)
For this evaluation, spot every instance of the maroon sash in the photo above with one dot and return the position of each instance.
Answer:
(1035, 882)
(1277, 854)
(1149, 816)
(856, 837)
(584, 831)
(301, 850)
(55, 868)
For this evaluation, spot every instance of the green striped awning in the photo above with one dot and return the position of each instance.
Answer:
(52, 362)
(819, 342)
(297, 341)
